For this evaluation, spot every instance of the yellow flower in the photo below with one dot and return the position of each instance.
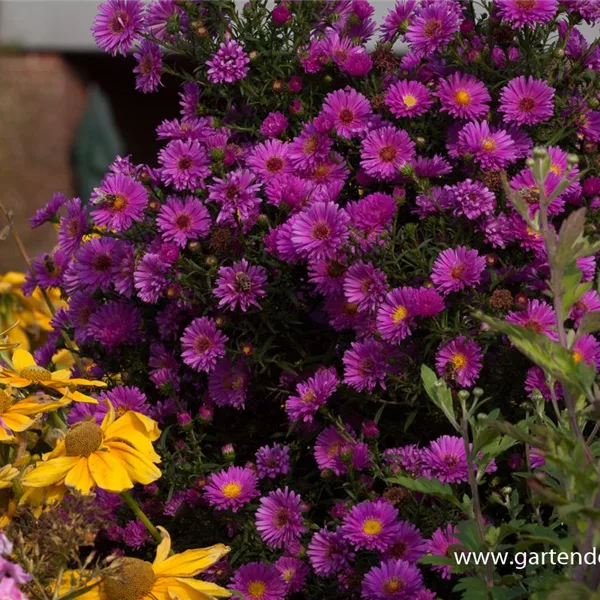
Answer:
(15, 415)
(112, 456)
(27, 372)
(7, 474)
(40, 499)
(167, 578)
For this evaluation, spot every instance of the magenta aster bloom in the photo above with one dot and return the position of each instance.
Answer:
(236, 194)
(311, 395)
(231, 488)
(202, 344)
(116, 323)
(328, 552)
(228, 384)
(385, 151)
(493, 149)
(183, 219)
(270, 159)
(150, 277)
(241, 285)
(274, 125)
(279, 518)
(73, 226)
(149, 67)
(349, 111)
(428, 303)
(272, 461)
(456, 269)
(310, 147)
(366, 365)
(365, 286)
(471, 199)
(320, 231)
(463, 96)
(124, 398)
(334, 452)
(463, 356)
(119, 201)
(228, 65)
(293, 572)
(446, 459)
(184, 164)
(433, 26)
(444, 542)
(590, 301)
(538, 316)
(408, 99)
(118, 25)
(372, 525)
(392, 580)
(409, 545)
(527, 101)
(431, 167)
(48, 212)
(531, 12)
(97, 262)
(397, 19)
(259, 581)
(328, 276)
(587, 349)
(396, 314)
(163, 14)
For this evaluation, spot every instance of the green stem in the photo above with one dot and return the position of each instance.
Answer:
(141, 515)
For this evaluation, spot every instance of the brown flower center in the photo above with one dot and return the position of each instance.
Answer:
(83, 438)
(526, 104)
(102, 263)
(185, 163)
(36, 374)
(432, 28)
(387, 153)
(5, 401)
(202, 343)
(118, 22)
(132, 579)
(321, 231)
(526, 4)
(183, 221)
(274, 164)
(346, 116)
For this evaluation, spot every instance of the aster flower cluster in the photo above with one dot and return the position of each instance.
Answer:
(321, 220)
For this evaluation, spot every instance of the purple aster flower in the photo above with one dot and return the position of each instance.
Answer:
(428, 303)
(228, 384)
(335, 452)
(149, 67)
(258, 580)
(97, 262)
(435, 201)
(119, 201)
(190, 97)
(366, 365)
(496, 230)
(124, 398)
(327, 276)
(47, 271)
(118, 25)
(365, 286)
(135, 534)
(408, 545)
(396, 313)
(202, 344)
(463, 96)
(456, 269)
(81, 307)
(397, 19)
(536, 380)
(471, 199)
(587, 349)
(150, 277)
(183, 219)
(116, 323)
(311, 395)
(408, 99)
(293, 572)
(431, 167)
(9, 589)
(527, 101)
(392, 580)
(493, 149)
(386, 151)
(589, 302)
(349, 111)
(163, 16)
(320, 231)
(444, 542)
(538, 316)
(231, 488)
(446, 459)
(48, 212)
(310, 147)
(407, 458)
(328, 552)
(228, 65)
(270, 159)
(358, 62)
(272, 461)
(184, 164)
(274, 124)
(463, 356)
(73, 226)
(372, 525)
(279, 518)
(432, 27)
(240, 285)
(236, 194)
(531, 12)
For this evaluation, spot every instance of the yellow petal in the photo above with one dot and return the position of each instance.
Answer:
(169, 588)
(5, 436)
(136, 421)
(61, 375)
(162, 552)
(16, 422)
(79, 477)
(211, 589)
(83, 382)
(139, 469)
(77, 396)
(191, 562)
(22, 359)
(108, 472)
(14, 380)
(30, 406)
(49, 472)
(76, 580)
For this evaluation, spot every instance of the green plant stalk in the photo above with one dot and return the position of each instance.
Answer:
(141, 515)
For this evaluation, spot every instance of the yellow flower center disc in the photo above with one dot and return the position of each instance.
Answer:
(372, 527)
(83, 438)
(36, 374)
(5, 401)
(131, 579)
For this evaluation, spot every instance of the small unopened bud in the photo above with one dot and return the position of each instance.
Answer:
(253, 55)
(217, 154)
(559, 53)
(477, 392)
(530, 162)
(228, 452)
(211, 261)
(540, 153)
(572, 160)
(464, 395)
(420, 141)
(193, 245)
(262, 220)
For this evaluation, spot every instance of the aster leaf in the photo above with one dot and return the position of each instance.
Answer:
(590, 323)
(572, 591)
(573, 288)
(439, 393)
(570, 233)
(432, 487)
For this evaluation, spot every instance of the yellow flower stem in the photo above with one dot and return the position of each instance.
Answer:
(17, 238)
(139, 513)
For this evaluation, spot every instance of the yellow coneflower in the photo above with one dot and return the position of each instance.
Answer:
(167, 578)
(112, 456)
(26, 372)
(7, 474)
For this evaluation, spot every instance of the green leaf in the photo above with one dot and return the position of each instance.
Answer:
(439, 393)
(572, 287)
(590, 323)
(473, 588)
(572, 591)
(571, 231)
(432, 487)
